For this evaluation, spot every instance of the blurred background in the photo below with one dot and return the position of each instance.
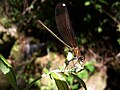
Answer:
(32, 50)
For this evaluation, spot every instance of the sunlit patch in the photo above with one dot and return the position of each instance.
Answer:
(69, 56)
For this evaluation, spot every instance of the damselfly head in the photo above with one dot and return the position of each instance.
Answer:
(60, 5)
(76, 52)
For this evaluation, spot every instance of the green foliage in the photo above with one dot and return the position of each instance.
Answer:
(83, 74)
(87, 3)
(58, 76)
(89, 68)
(6, 68)
(80, 81)
(5, 22)
(99, 30)
(60, 81)
(33, 82)
(73, 85)
(116, 4)
(93, 18)
(118, 40)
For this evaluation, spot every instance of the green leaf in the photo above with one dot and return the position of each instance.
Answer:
(87, 3)
(98, 6)
(90, 66)
(103, 2)
(83, 74)
(70, 80)
(33, 82)
(6, 68)
(80, 81)
(99, 29)
(118, 40)
(60, 81)
(118, 27)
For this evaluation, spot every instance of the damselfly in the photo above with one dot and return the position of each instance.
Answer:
(66, 31)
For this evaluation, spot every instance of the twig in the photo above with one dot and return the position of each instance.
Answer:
(28, 8)
(113, 18)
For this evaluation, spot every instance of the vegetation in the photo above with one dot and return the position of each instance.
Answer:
(32, 52)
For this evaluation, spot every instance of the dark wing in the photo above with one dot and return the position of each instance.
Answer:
(64, 25)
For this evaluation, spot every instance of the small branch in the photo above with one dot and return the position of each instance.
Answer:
(28, 8)
(113, 18)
